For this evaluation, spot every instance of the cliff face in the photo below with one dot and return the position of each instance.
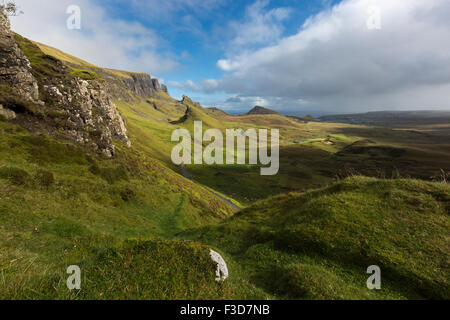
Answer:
(15, 68)
(44, 95)
(139, 84)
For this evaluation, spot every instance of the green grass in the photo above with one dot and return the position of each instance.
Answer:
(61, 205)
(44, 66)
(318, 245)
(152, 269)
(131, 269)
(52, 203)
(84, 74)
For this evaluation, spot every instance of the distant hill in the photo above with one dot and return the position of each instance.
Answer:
(216, 111)
(392, 118)
(305, 119)
(261, 110)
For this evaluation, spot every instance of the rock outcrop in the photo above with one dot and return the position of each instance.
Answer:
(15, 68)
(6, 113)
(222, 269)
(88, 114)
(81, 110)
(119, 85)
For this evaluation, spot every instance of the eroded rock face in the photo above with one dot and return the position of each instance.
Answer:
(15, 68)
(89, 116)
(74, 108)
(139, 84)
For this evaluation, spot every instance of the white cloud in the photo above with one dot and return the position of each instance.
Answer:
(260, 26)
(102, 40)
(336, 64)
(207, 85)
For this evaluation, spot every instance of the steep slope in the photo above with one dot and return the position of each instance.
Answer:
(318, 245)
(71, 184)
(41, 94)
(118, 84)
(59, 201)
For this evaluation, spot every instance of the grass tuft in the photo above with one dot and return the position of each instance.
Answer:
(17, 176)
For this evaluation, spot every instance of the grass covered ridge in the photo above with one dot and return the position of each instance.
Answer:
(318, 245)
(136, 269)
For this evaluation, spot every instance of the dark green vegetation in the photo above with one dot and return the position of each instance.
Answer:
(318, 245)
(153, 269)
(63, 205)
(84, 74)
(139, 269)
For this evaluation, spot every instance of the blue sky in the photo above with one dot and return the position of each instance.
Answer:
(298, 57)
(200, 37)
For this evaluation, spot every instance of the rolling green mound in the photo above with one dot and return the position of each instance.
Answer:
(141, 270)
(318, 245)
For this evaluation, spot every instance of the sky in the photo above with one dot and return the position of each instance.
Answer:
(297, 57)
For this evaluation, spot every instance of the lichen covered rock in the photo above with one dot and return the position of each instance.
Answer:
(15, 68)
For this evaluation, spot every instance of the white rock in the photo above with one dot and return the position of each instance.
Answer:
(8, 114)
(222, 269)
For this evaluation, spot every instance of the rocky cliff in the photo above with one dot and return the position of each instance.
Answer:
(119, 85)
(40, 93)
(15, 70)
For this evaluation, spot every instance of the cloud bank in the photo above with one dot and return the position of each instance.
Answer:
(335, 63)
(102, 40)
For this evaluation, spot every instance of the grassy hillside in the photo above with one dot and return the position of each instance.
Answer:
(127, 221)
(58, 201)
(318, 245)
(71, 60)
(312, 154)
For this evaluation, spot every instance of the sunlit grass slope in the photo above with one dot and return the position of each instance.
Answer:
(67, 58)
(146, 269)
(58, 201)
(318, 245)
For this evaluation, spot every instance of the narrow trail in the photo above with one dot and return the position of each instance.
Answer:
(187, 176)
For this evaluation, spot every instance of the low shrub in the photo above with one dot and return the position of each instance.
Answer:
(15, 175)
(45, 178)
(95, 169)
(127, 194)
(113, 175)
